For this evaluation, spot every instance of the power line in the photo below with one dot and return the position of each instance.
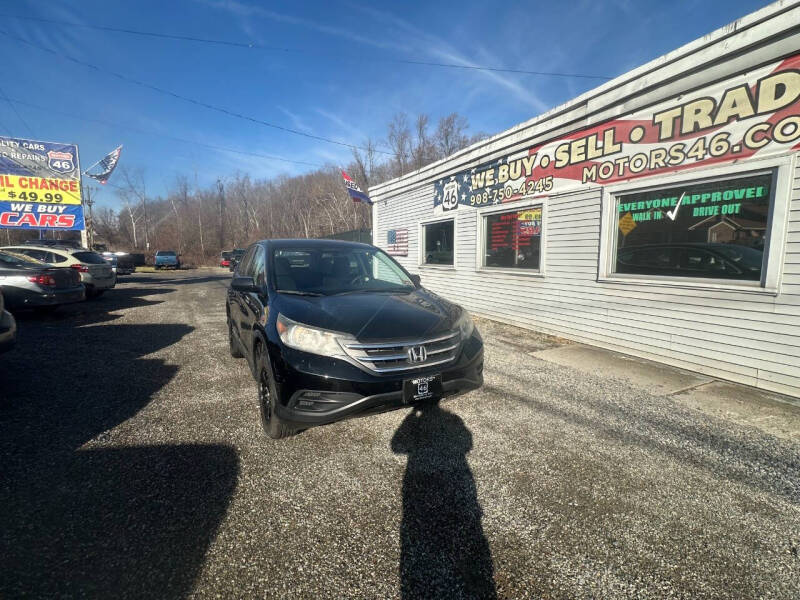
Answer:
(16, 112)
(254, 46)
(161, 135)
(194, 101)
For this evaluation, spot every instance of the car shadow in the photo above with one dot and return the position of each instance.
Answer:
(84, 511)
(444, 552)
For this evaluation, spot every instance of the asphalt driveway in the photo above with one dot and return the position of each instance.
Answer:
(132, 465)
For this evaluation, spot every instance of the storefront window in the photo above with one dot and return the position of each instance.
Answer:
(711, 230)
(512, 240)
(439, 243)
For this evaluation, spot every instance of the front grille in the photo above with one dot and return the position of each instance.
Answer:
(390, 357)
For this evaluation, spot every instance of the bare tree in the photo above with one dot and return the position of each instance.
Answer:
(399, 138)
(451, 134)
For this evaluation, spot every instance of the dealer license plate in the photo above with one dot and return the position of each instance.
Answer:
(422, 388)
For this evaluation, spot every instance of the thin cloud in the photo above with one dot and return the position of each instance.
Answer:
(240, 9)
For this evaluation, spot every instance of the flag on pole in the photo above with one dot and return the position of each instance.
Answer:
(108, 164)
(355, 192)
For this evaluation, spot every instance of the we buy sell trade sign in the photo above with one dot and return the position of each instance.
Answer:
(40, 185)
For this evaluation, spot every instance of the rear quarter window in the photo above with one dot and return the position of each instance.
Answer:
(91, 258)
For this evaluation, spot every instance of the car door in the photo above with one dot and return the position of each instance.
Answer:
(236, 298)
(253, 303)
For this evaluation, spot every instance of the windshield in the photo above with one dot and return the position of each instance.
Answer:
(14, 258)
(329, 271)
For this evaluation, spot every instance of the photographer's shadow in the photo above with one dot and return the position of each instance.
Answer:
(444, 552)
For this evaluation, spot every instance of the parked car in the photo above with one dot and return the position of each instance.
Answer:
(120, 262)
(692, 259)
(29, 283)
(335, 329)
(8, 328)
(95, 273)
(166, 259)
(236, 257)
(225, 258)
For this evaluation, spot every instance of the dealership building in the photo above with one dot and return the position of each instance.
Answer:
(657, 215)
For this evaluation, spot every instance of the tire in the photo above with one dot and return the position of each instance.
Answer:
(267, 395)
(236, 351)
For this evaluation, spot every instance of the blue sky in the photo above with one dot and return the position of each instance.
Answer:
(337, 85)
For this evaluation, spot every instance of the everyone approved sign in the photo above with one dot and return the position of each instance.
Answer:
(40, 185)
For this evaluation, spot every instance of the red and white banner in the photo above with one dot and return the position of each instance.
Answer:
(755, 114)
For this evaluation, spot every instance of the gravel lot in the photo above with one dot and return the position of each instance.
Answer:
(133, 465)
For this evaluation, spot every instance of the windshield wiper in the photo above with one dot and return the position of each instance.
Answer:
(374, 290)
(299, 293)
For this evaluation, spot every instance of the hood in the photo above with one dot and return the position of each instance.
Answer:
(374, 316)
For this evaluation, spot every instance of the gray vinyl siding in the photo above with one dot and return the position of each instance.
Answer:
(751, 338)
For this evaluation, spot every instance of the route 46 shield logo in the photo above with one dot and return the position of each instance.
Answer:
(450, 195)
(60, 161)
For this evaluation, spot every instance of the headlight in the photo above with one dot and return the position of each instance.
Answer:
(465, 324)
(309, 339)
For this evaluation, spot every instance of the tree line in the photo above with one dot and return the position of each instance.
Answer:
(201, 221)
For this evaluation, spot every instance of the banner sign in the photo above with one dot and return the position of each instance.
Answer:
(752, 115)
(40, 185)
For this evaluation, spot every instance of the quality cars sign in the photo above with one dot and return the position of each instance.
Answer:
(40, 185)
(752, 115)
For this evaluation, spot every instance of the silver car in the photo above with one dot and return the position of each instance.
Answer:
(96, 274)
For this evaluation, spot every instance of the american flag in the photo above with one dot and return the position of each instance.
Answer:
(397, 242)
(108, 163)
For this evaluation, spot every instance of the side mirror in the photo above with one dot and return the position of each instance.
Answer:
(416, 280)
(244, 284)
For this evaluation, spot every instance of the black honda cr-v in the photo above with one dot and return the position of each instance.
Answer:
(336, 329)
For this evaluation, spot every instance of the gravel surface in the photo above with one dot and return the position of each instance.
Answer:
(133, 466)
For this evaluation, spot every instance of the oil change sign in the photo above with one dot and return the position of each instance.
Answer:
(752, 115)
(40, 185)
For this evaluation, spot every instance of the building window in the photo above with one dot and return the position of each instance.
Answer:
(709, 229)
(513, 239)
(439, 243)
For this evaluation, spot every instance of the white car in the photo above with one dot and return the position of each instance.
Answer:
(96, 274)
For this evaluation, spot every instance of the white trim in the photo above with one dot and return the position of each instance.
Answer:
(480, 237)
(421, 242)
(776, 225)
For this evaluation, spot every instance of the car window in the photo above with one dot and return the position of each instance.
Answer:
(37, 254)
(91, 258)
(328, 271)
(244, 266)
(258, 267)
(54, 258)
(17, 258)
(165, 253)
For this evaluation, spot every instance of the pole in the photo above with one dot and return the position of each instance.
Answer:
(221, 215)
(84, 232)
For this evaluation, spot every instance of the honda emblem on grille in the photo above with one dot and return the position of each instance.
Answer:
(417, 354)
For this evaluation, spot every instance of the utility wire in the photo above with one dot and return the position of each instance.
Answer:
(16, 112)
(160, 135)
(254, 46)
(194, 101)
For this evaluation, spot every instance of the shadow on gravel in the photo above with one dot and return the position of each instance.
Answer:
(444, 552)
(82, 513)
(157, 280)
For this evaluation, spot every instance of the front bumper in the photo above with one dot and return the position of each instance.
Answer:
(8, 331)
(314, 390)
